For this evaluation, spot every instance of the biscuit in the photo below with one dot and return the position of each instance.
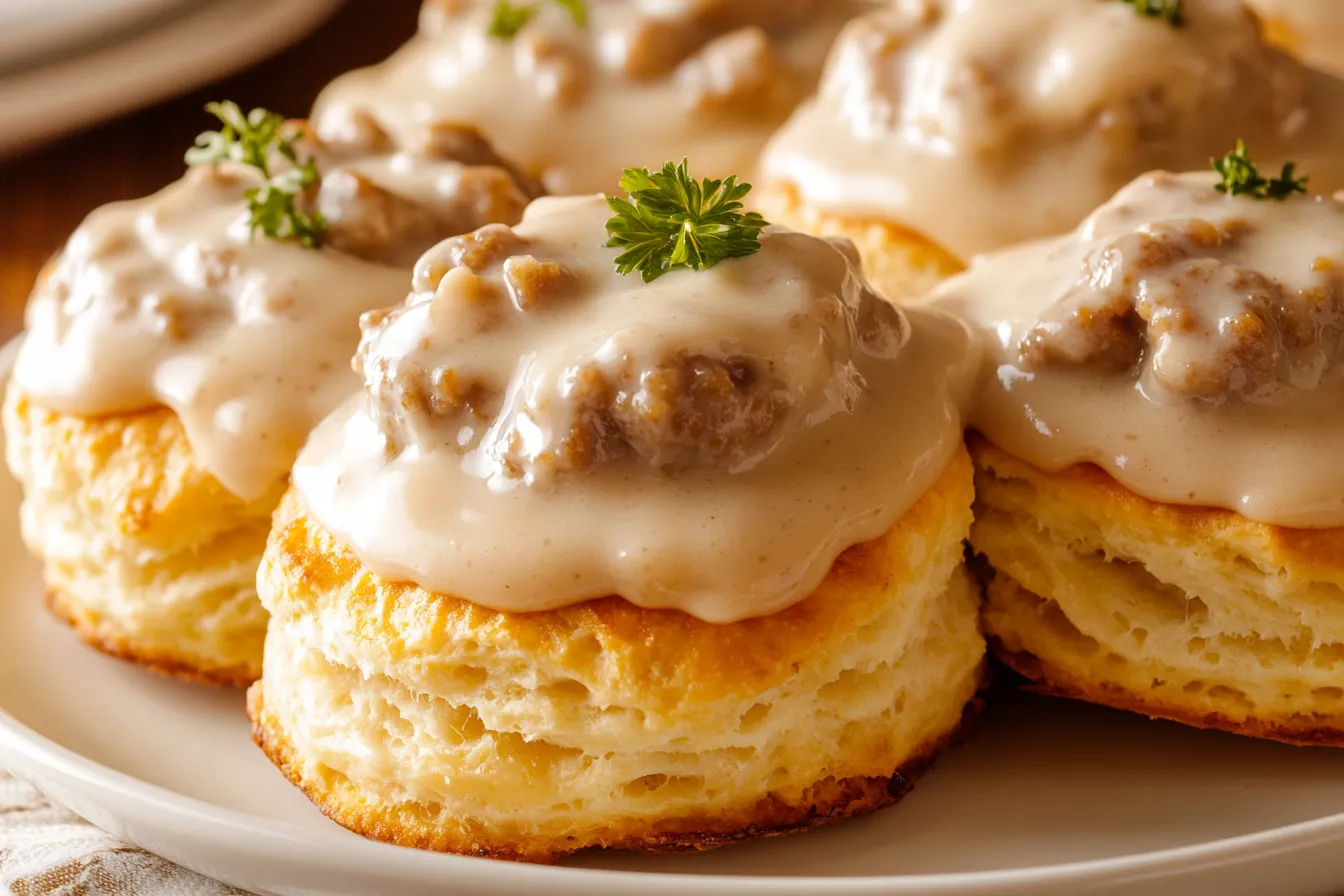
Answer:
(899, 262)
(1185, 613)
(424, 720)
(1311, 31)
(144, 553)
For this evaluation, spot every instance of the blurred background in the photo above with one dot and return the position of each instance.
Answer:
(55, 75)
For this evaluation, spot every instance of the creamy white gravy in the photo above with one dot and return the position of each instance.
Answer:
(169, 300)
(982, 123)
(1189, 343)
(641, 83)
(537, 430)
(1310, 29)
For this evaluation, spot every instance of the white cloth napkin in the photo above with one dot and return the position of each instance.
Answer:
(47, 851)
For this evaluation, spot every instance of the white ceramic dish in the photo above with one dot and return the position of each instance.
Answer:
(1049, 799)
(206, 40)
(31, 28)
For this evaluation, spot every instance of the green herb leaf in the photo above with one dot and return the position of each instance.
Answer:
(577, 9)
(1171, 10)
(507, 19)
(1285, 185)
(276, 214)
(672, 221)
(251, 140)
(1240, 177)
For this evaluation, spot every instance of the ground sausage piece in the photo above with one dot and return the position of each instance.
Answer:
(400, 392)
(477, 251)
(452, 142)
(531, 283)
(351, 131)
(371, 222)
(773, 15)
(668, 33)
(686, 411)
(482, 194)
(699, 410)
(1162, 302)
(736, 73)
(560, 70)
(1107, 335)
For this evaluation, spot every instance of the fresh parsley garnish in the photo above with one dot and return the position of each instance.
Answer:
(1171, 10)
(1240, 177)
(507, 19)
(673, 221)
(250, 139)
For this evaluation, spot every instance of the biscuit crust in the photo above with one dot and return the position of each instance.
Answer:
(113, 642)
(822, 803)
(1306, 730)
(424, 720)
(1192, 614)
(901, 263)
(145, 554)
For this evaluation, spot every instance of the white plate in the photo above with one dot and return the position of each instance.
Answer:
(209, 39)
(29, 28)
(1050, 799)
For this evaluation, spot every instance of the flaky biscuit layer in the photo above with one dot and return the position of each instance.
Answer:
(903, 265)
(1187, 613)
(427, 721)
(144, 553)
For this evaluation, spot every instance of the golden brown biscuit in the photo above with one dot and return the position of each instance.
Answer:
(1184, 613)
(901, 263)
(424, 720)
(1312, 30)
(174, 362)
(145, 553)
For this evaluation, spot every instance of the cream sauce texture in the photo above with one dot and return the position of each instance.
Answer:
(1190, 343)
(537, 430)
(170, 300)
(640, 83)
(982, 123)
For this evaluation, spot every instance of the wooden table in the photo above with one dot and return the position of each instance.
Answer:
(45, 194)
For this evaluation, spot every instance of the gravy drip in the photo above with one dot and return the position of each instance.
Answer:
(1190, 343)
(982, 123)
(169, 300)
(537, 430)
(640, 83)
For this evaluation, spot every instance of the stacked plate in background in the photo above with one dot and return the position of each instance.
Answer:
(69, 63)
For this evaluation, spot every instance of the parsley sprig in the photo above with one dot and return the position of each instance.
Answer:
(251, 139)
(507, 19)
(673, 221)
(1171, 10)
(1240, 177)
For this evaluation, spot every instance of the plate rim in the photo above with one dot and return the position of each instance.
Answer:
(31, 40)
(36, 756)
(122, 82)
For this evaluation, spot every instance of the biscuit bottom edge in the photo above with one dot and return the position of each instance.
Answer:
(107, 638)
(1050, 676)
(825, 802)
